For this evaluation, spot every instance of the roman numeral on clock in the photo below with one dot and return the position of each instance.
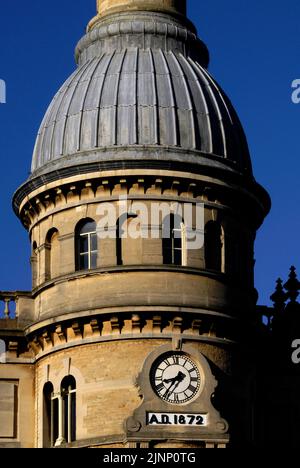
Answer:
(160, 387)
(192, 388)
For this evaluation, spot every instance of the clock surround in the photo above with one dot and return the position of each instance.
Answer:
(157, 419)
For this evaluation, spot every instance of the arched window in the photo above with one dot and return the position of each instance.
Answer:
(86, 245)
(213, 246)
(33, 261)
(68, 395)
(52, 255)
(173, 231)
(50, 416)
(122, 235)
(59, 413)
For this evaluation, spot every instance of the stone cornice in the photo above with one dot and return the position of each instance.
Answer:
(52, 196)
(122, 311)
(59, 336)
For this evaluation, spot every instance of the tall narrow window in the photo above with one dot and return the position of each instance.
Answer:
(213, 246)
(68, 394)
(119, 233)
(55, 399)
(34, 263)
(50, 421)
(86, 245)
(52, 254)
(173, 240)
(122, 235)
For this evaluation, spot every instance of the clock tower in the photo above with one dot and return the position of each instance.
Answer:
(142, 211)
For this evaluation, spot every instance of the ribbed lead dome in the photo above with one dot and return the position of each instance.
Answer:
(140, 83)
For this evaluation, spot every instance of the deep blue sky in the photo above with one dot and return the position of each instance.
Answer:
(254, 50)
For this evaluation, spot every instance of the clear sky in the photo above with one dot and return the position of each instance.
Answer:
(254, 48)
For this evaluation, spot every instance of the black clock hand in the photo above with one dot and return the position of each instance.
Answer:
(176, 381)
(173, 389)
(170, 391)
(170, 380)
(180, 376)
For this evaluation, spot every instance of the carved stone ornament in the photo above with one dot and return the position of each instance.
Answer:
(176, 387)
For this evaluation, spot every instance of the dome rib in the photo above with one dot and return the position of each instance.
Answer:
(116, 110)
(214, 99)
(226, 119)
(109, 102)
(214, 113)
(236, 140)
(43, 144)
(58, 131)
(167, 96)
(109, 59)
(127, 100)
(82, 104)
(150, 103)
(64, 136)
(200, 103)
(185, 113)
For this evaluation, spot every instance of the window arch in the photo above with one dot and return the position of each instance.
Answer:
(68, 395)
(173, 232)
(50, 416)
(86, 245)
(214, 244)
(52, 254)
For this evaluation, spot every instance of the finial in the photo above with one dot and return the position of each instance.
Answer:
(292, 285)
(107, 7)
(279, 296)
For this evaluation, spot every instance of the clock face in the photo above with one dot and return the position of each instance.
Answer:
(176, 378)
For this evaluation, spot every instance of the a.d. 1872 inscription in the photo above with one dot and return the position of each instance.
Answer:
(176, 419)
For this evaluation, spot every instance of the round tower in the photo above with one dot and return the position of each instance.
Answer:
(142, 211)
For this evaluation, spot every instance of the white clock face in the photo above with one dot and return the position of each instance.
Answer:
(176, 378)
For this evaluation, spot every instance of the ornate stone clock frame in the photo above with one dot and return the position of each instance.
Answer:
(215, 430)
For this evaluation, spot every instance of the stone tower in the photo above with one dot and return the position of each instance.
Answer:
(141, 326)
